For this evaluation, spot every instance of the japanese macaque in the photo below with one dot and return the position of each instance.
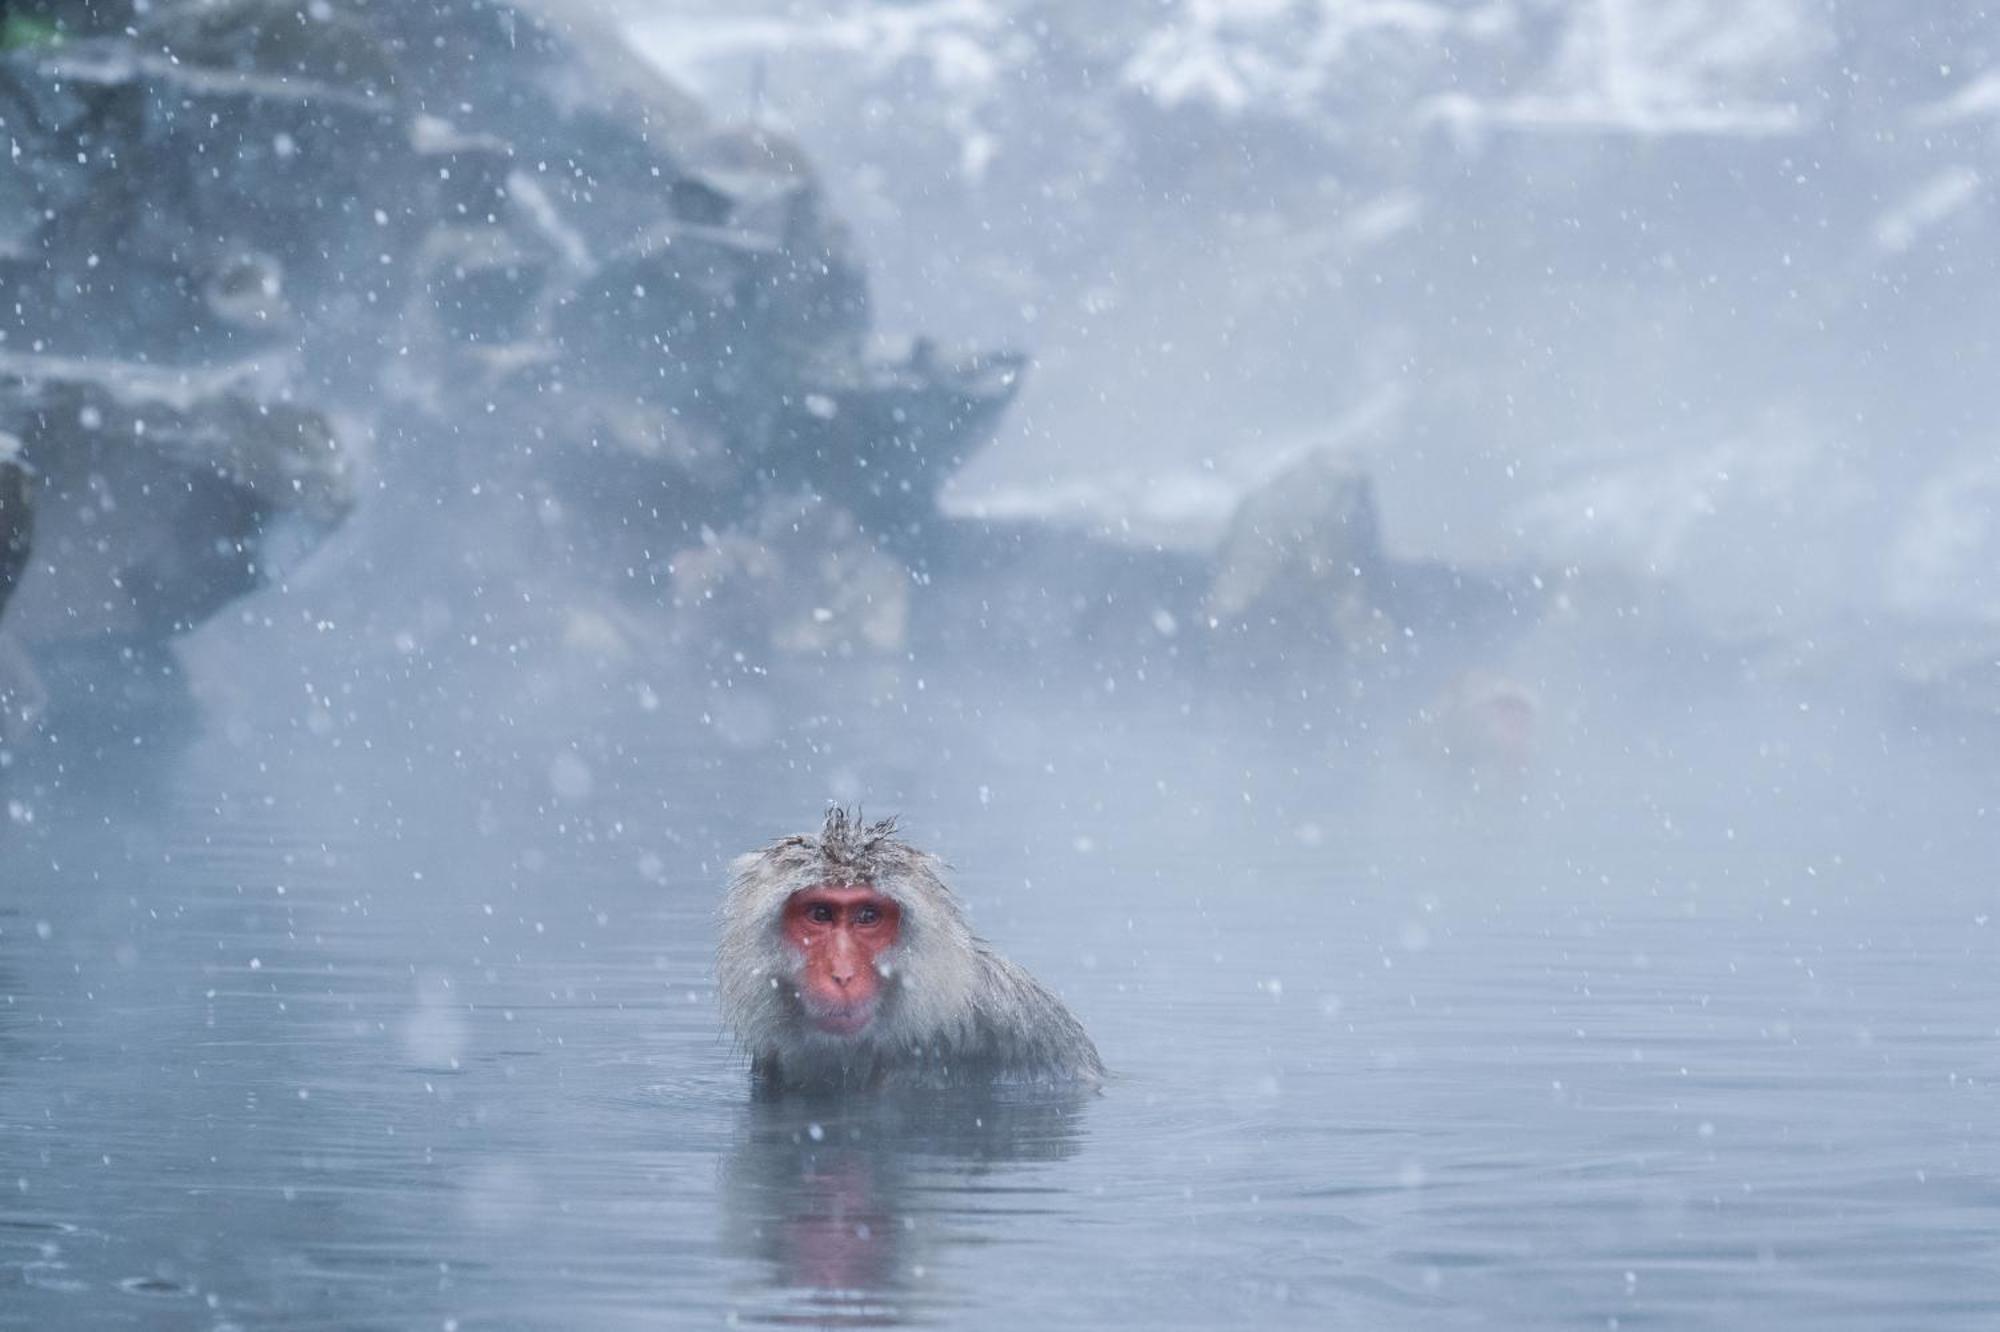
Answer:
(846, 963)
(1480, 727)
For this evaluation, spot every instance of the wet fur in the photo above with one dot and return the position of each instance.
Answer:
(953, 1011)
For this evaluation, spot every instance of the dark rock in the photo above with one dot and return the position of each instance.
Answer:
(324, 46)
(882, 438)
(44, 20)
(686, 317)
(22, 695)
(162, 188)
(497, 242)
(160, 496)
(17, 516)
(595, 125)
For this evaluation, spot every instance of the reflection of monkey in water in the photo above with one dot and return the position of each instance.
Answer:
(851, 1204)
(847, 963)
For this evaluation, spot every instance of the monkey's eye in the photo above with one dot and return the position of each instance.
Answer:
(867, 915)
(820, 913)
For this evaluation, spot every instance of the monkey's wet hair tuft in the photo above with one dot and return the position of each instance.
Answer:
(847, 839)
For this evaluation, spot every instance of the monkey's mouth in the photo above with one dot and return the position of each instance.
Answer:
(843, 1020)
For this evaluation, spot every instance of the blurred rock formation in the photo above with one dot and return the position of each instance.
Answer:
(245, 238)
(1302, 578)
(1307, 547)
(233, 224)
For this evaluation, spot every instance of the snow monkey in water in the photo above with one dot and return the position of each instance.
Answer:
(846, 962)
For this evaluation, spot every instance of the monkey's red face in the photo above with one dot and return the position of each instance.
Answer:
(839, 932)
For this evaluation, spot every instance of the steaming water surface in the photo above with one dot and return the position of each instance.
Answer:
(317, 1039)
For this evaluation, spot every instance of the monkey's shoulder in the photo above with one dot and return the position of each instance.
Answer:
(1022, 1030)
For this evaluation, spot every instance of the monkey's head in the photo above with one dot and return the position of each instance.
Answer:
(842, 946)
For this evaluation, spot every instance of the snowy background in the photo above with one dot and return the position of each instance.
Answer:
(1696, 289)
(474, 496)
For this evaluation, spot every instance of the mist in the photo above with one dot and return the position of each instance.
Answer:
(1427, 567)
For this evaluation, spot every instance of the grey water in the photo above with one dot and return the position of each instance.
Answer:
(1698, 1027)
